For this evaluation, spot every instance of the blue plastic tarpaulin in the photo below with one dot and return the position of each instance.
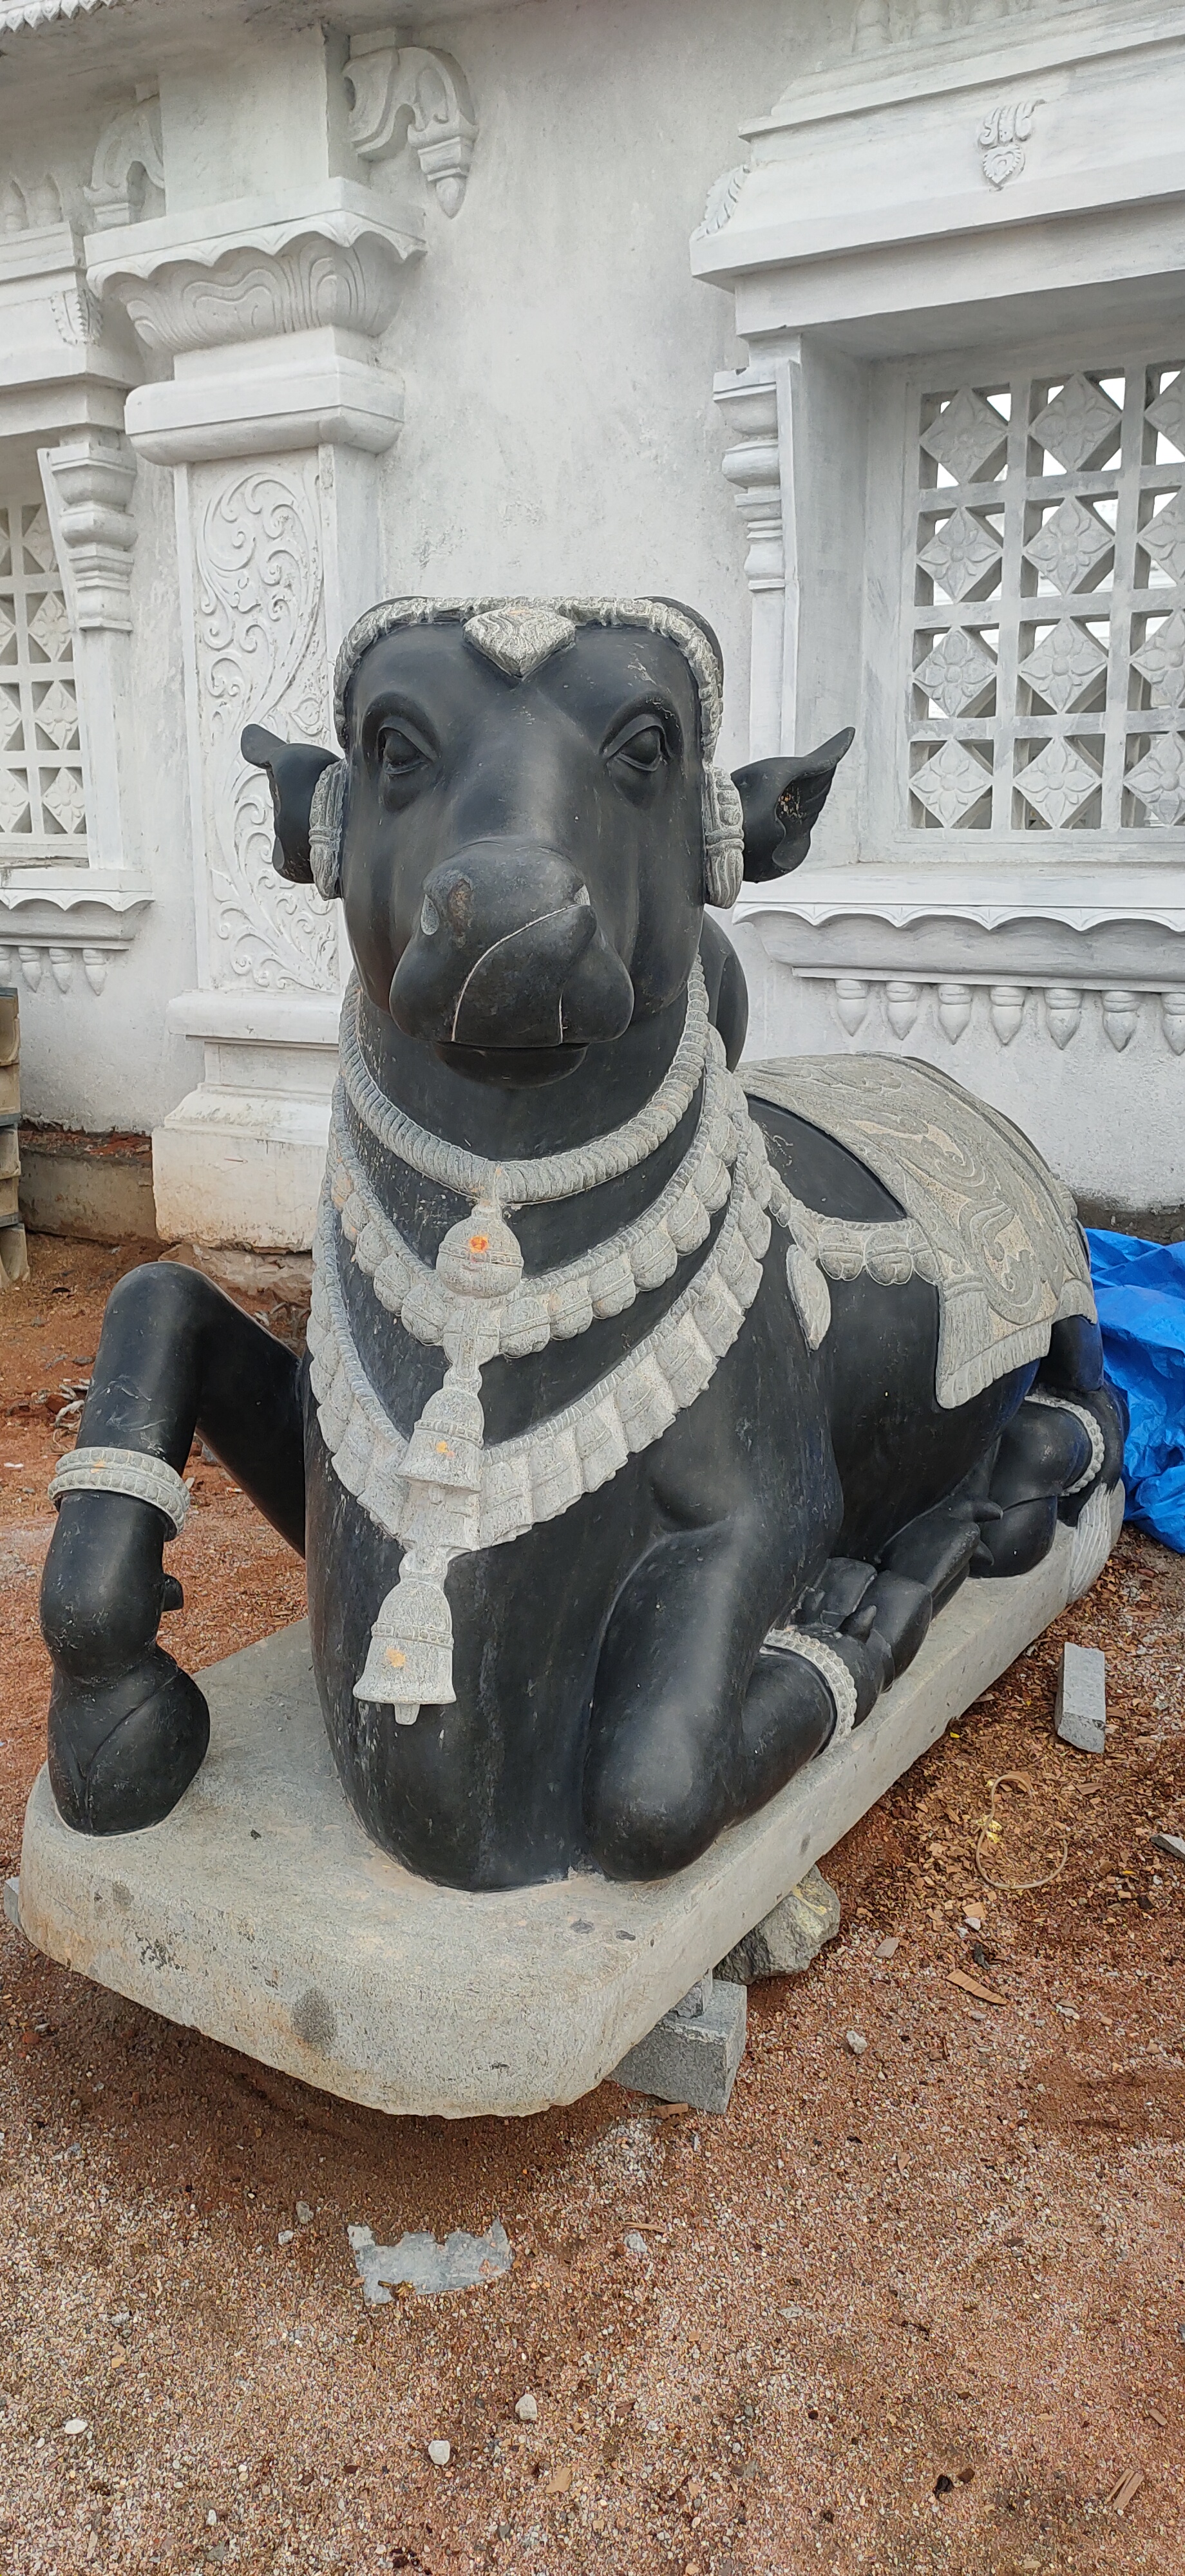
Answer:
(1140, 1291)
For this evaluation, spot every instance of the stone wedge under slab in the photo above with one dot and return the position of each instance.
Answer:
(260, 1913)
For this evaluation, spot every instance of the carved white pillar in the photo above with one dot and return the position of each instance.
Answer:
(273, 419)
(88, 485)
(753, 466)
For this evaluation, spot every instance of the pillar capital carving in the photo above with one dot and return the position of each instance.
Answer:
(270, 312)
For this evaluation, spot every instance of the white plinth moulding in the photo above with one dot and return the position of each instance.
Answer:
(1052, 1010)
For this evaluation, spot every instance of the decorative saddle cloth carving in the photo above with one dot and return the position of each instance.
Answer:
(994, 1229)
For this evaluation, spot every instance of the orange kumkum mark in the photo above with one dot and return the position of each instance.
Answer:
(479, 1243)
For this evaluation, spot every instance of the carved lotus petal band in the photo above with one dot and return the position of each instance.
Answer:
(124, 1471)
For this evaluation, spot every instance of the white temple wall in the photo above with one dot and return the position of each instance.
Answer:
(281, 354)
(555, 360)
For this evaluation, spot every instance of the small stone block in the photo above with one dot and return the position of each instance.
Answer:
(691, 2059)
(786, 1941)
(1080, 1715)
(12, 1903)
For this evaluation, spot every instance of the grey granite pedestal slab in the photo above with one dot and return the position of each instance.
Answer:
(260, 1913)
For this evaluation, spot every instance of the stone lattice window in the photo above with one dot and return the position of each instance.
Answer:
(1046, 621)
(42, 806)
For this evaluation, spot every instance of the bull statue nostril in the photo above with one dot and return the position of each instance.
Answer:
(429, 918)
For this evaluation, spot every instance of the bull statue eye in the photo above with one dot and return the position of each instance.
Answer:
(644, 749)
(399, 753)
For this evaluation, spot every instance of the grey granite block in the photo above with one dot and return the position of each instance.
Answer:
(1080, 1715)
(692, 2055)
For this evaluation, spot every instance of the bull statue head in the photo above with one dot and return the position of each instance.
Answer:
(526, 822)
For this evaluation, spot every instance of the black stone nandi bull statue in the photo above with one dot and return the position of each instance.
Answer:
(647, 1418)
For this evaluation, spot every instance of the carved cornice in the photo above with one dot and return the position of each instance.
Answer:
(902, 940)
(1074, 899)
(61, 361)
(19, 14)
(332, 260)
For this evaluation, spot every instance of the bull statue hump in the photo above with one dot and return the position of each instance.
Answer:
(654, 1403)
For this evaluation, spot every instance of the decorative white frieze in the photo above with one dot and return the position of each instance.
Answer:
(127, 167)
(722, 199)
(869, 1006)
(411, 95)
(35, 207)
(62, 940)
(1002, 136)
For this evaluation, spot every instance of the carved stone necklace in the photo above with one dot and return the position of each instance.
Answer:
(440, 1492)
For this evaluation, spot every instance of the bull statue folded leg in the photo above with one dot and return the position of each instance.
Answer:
(650, 1411)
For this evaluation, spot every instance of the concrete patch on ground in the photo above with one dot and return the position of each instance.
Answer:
(462, 2263)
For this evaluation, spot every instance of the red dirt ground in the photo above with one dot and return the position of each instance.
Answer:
(921, 2308)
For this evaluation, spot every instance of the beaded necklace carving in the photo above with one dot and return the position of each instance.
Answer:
(441, 1492)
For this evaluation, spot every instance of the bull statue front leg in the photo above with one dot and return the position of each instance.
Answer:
(127, 1728)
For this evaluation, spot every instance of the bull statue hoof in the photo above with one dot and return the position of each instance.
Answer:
(122, 1753)
(652, 1411)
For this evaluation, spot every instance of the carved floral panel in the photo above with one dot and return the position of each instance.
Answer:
(1045, 612)
(261, 658)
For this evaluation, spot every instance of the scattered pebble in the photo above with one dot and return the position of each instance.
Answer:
(888, 1949)
(74, 2424)
(527, 2409)
(286, 2235)
(635, 2244)
(440, 2453)
(304, 2215)
(856, 2042)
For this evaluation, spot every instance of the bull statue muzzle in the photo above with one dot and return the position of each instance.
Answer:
(508, 952)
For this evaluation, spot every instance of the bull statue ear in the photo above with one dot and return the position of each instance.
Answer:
(781, 801)
(292, 769)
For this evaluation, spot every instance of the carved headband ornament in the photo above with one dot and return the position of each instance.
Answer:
(518, 636)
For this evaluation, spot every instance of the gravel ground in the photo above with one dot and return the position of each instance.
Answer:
(915, 2307)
